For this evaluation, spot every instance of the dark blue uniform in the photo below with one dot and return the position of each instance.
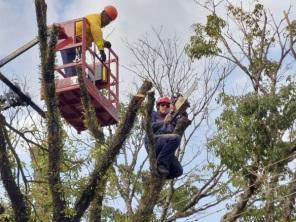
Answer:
(166, 143)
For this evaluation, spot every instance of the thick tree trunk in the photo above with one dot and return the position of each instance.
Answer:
(97, 204)
(149, 200)
(54, 128)
(240, 206)
(111, 151)
(91, 122)
(269, 207)
(18, 201)
(153, 188)
(289, 204)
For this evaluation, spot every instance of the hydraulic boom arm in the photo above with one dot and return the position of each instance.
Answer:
(19, 51)
(11, 85)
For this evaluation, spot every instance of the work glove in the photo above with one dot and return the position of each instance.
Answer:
(103, 55)
(107, 44)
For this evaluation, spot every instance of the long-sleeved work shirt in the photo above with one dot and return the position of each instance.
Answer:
(93, 30)
(159, 126)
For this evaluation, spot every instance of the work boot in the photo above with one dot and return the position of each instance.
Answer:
(162, 170)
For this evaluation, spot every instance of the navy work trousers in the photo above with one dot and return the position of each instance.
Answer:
(166, 145)
(68, 56)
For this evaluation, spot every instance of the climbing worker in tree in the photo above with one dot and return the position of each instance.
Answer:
(94, 34)
(166, 142)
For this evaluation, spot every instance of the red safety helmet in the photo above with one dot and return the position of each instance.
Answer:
(111, 12)
(163, 99)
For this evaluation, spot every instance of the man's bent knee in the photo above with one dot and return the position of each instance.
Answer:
(175, 138)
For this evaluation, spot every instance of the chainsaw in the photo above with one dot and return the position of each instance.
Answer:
(181, 102)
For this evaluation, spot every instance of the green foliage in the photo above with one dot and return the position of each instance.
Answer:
(214, 26)
(293, 28)
(268, 67)
(252, 20)
(73, 180)
(6, 214)
(258, 214)
(110, 214)
(253, 215)
(205, 40)
(251, 128)
(256, 37)
(182, 195)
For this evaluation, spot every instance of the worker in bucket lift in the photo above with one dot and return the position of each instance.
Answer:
(94, 34)
(166, 142)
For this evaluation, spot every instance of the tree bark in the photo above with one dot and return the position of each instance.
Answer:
(149, 199)
(54, 126)
(111, 151)
(269, 207)
(154, 186)
(19, 205)
(155, 183)
(97, 204)
(240, 206)
(91, 121)
(289, 204)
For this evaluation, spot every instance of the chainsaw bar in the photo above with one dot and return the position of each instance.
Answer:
(182, 101)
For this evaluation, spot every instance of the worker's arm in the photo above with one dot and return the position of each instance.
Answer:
(160, 126)
(94, 21)
(156, 126)
(156, 122)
